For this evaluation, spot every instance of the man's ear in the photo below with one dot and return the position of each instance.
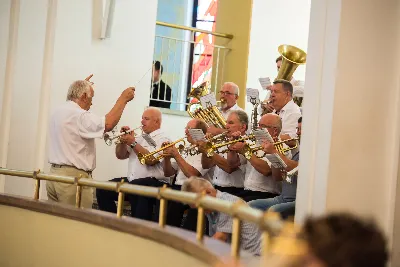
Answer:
(208, 191)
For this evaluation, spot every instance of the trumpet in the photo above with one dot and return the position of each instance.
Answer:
(143, 157)
(109, 139)
(248, 150)
(211, 147)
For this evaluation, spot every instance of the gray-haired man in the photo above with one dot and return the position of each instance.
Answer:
(73, 128)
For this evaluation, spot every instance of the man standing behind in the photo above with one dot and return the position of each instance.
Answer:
(229, 95)
(288, 111)
(161, 92)
(73, 129)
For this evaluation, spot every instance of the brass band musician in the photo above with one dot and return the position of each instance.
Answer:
(227, 177)
(259, 182)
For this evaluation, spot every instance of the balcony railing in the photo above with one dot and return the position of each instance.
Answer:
(181, 58)
(269, 223)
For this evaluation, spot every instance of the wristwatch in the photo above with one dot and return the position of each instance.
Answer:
(133, 144)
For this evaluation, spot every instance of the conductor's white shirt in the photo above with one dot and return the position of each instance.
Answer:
(136, 170)
(72, 136)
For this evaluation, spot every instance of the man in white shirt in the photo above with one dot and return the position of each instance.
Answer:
(288, 111)
(73, 129)
(184, 166)
(259, 182)
(227, 177)
(229, 94)
(149, 174)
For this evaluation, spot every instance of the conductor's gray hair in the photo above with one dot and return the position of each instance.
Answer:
(78, 88)
(196, 185)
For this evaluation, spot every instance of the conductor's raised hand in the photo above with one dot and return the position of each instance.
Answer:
(88, 78)
(128, 94)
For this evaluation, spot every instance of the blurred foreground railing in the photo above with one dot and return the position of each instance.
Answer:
(269, 223)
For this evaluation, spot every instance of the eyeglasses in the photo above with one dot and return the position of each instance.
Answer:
(226, 93)
(266, 126)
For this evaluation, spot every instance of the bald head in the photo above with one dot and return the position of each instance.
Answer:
(151, 120)
(272, 122)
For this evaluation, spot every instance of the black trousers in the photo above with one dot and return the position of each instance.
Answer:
(106, 199)
(249, 195)
(236, 191)
(140, 205)
(176, 211)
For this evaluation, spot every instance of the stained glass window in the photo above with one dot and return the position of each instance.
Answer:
(204, 18)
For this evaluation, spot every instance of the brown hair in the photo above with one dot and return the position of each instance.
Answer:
(341, 239)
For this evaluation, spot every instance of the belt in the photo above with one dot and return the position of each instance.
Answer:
(69, 166)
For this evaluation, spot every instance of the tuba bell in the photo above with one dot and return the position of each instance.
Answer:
(292, 57)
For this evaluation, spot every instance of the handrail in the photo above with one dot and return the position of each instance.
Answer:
(269, 222)
(192, 29)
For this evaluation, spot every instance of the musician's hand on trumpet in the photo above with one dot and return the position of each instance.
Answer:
(170, 152)
(128, 138)
(237, 147)
(269, 148)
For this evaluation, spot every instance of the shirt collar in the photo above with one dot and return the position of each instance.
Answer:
(234, 107)
(285, 107)
(155, 133)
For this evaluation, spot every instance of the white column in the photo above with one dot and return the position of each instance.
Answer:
(5, 119)
(350, 143)
(45, 90)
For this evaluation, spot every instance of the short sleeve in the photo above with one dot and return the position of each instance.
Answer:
(91, 126)
(196, 163)
(289, 125)
(224, 223)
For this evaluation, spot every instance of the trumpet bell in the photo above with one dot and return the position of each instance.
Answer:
(292, 57)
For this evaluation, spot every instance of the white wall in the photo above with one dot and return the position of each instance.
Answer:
(274, 23)
(117, 63)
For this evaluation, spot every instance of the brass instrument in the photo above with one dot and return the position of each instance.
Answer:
(211, 114)
(254, 116)
(192, 150)
(109, 139)
(292, 57)
(142, 158)
(212, 148)
(248, 150)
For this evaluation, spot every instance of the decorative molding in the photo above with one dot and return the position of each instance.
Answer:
(107, 19)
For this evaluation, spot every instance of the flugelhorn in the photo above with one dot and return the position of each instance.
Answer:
(143, 157)
(109, 139)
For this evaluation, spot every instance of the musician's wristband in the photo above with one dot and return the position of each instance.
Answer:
(133, 145)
